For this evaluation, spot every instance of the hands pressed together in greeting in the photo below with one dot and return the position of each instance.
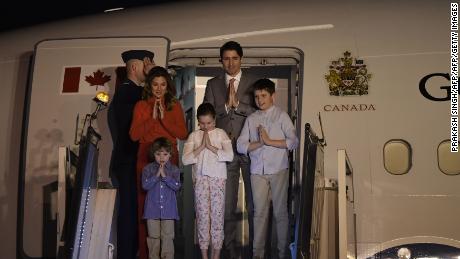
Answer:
(264, 139)
(161, 170)
(232, 100)
(263, 136)
(158, 110)
(205, 143)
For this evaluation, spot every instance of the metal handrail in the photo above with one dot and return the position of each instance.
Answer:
(310, 200)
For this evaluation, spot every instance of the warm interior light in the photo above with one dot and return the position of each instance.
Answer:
(102, 98)
(404, 253)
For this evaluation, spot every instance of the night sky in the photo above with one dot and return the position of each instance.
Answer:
(17, 14)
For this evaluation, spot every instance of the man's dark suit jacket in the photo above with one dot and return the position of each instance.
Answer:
(216, 93)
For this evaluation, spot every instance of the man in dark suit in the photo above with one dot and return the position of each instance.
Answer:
(124, 154)
(232, 96)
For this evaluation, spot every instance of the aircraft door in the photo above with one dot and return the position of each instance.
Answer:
(284, 66)
(67, 73)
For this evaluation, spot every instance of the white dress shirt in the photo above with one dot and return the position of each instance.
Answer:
(237, 80)
(208, 163)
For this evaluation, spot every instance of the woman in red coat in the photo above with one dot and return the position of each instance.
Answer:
(159, 114)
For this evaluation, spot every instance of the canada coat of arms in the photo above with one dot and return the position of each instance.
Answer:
(348, 76)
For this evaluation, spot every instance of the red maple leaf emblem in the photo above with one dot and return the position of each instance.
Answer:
(98, 78)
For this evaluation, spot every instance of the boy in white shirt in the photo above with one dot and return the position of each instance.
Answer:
(208, 149)
(267, 135)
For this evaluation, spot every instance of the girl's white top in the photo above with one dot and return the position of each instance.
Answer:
(208, 163)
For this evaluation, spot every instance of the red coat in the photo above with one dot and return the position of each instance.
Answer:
(145, 129)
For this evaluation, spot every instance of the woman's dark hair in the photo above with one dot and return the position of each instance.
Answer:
(170, 94)
(205, 109)
(159, 144)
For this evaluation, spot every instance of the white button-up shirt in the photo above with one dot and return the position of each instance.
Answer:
(237, 80)
(278, 124)
(208, 163)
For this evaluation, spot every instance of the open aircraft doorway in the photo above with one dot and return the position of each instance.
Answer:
(192, 68)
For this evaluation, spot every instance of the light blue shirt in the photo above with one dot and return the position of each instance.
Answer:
(268, 159)
(160, 201)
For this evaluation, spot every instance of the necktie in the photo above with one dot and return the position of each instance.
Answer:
(232, 83)
(231, 87)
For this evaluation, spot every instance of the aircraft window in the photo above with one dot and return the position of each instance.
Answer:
(448, 162)
(397, 156)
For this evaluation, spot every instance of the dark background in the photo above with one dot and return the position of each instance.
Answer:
(16, 14)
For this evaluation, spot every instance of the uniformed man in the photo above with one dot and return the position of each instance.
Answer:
(124, 154)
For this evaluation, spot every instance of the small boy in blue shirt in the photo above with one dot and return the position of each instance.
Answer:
(161, 180)
(267, 136)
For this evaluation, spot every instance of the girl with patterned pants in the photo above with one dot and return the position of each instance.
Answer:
(208, 149)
